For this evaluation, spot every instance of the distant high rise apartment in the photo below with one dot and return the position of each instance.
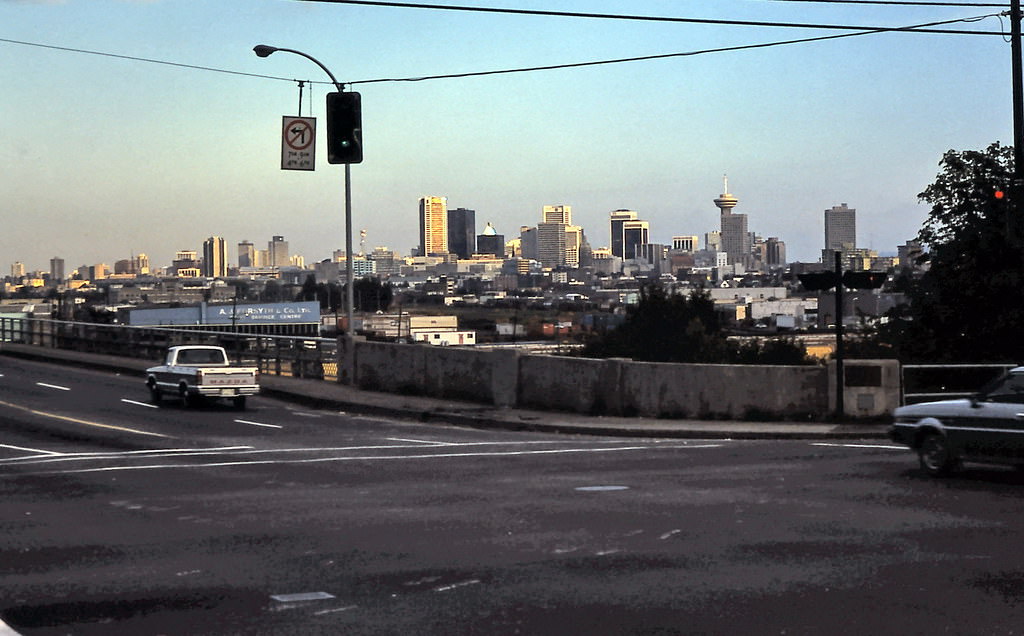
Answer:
(57, 269)
(433, 226)
(775, 252)
(557, 214)
(840, 228)
(17, 269)
(490, 242)
(277, 252)
(246, 254)
(528, 242)
(735, 238)
(462, 232)
(615, 237)
(551, 244)
(686, 243)
(635, 234)
(215, 257)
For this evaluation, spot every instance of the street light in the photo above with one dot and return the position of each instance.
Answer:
(262, 50)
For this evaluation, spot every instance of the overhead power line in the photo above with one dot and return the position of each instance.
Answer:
(907, 3)
(550, 67)
(648, 18)
(739, 47)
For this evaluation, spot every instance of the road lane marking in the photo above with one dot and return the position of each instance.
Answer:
(338, 609)
(162, 452)
(454, 586)
(53, 386)
(320, 460)
(258, 424)
(31, 450)
(420, 441)
(837, 445)
(74, 420)
(148, 406)
(669, 534)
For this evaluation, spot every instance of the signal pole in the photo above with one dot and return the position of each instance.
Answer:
(1017, 188)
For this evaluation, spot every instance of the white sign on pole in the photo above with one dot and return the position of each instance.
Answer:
(298, 143)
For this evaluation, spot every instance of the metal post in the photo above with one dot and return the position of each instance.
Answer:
(1017, 187)
(840, 371)
(349, 284)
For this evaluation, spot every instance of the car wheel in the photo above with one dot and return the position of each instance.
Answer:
(936, 455)
(239, 402)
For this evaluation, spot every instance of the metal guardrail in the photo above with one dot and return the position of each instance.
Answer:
(923, 382)
(294, 356)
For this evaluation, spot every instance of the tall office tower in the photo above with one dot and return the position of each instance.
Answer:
(634, 234)
(462, 232)
(184, 261)
(686, 243)
(246, 254)
(551, 244)
(215, 257)
(141, 264)
(528, 242)
(735, 240)
(713, 241)
(840, 228)
(17, 269)
(557, 214)
(490, 242)
(775, 252)
(277, 252)
(615, 223)
(57, 269)
(574, 241)
(433, 226)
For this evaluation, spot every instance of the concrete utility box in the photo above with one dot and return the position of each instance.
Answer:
(872, 387)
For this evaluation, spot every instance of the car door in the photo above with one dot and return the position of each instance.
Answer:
(994, 428)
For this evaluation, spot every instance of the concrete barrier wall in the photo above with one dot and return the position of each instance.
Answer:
(565, 384)
(723, 391)
(620, 387)
(464, 374)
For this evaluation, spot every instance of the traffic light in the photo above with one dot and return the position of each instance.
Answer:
(344, 128)
(818, 281)
(864, 280)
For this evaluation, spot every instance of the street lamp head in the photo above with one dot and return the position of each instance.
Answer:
(263, 50)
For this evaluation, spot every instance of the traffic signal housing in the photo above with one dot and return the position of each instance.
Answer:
(864, 280)
(818, 281)
(344, 127)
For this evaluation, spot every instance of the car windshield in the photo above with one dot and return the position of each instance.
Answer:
(1009, 388)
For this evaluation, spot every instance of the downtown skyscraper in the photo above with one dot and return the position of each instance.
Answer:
(433, 226)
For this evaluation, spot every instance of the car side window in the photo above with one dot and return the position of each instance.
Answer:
(1010, 390)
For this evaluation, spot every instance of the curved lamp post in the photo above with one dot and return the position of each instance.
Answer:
(262, 50)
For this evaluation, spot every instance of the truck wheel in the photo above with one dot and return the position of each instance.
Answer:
(155, 396)
(187, 399)
(238, 403)
(936, 456)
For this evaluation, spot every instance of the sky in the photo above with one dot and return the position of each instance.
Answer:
(103, 157)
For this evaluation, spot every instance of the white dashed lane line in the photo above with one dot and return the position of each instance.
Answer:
(148, 406)
(259, 424)
(53, 386)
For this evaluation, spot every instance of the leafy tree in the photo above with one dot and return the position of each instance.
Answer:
(308, 291)
(968, 306)
(370, 294)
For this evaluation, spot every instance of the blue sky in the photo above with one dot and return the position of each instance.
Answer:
(103, 157)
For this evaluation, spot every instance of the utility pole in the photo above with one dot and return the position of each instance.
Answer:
(1017, 187)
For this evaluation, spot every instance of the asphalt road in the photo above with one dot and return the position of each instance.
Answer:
(120, 518)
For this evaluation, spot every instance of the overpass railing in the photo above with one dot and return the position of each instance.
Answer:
(294, 356)
(925, 382)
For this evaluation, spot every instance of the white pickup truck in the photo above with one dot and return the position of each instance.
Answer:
(193, 372)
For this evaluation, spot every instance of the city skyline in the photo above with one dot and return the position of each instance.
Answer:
(109, 156)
